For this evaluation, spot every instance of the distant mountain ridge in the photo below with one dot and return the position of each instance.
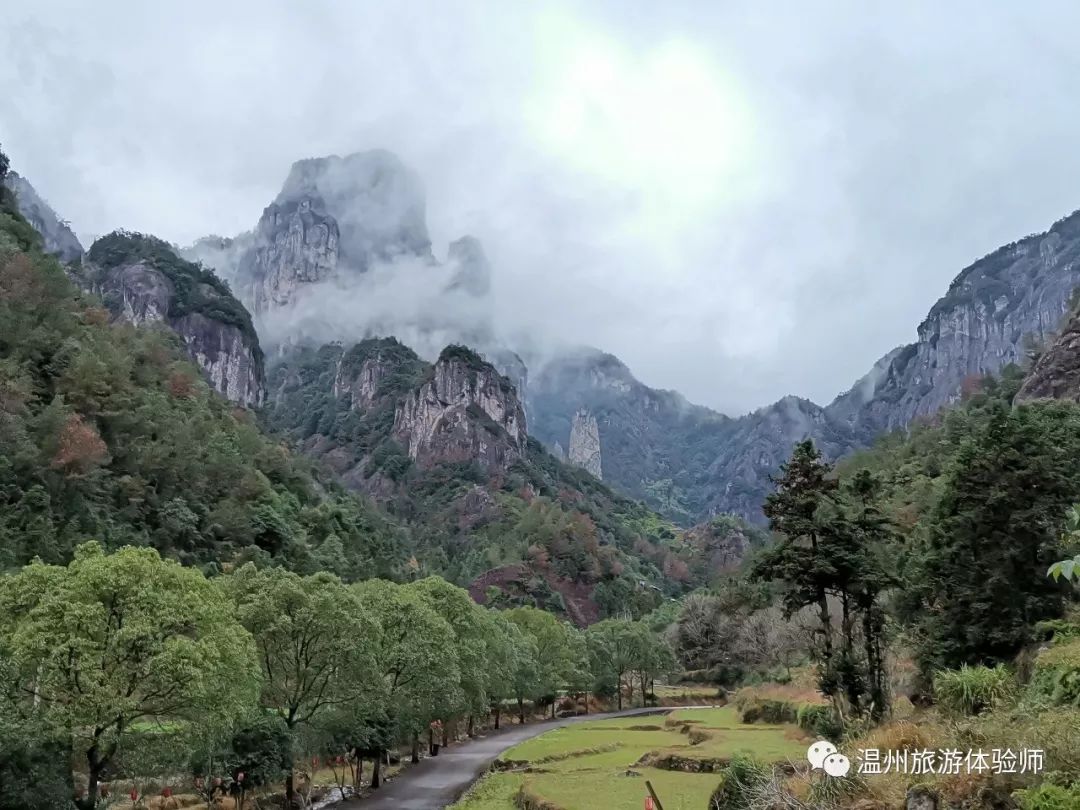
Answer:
(690, 462)
(338, 218)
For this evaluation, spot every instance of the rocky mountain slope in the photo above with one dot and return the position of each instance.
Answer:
(690, 462)
(1055, 372)
(345, 230)
(994, 310)
(444, 447)
(58, 238)
(142, 281)
(310, 268)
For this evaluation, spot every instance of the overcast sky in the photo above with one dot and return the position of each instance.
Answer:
(740, 200)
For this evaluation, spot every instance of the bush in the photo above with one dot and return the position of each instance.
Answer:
(1049, 797)
(742, 782)
(1056, 630)
(819, 720)
(971, 690)
(1057, 674)
(767, 710)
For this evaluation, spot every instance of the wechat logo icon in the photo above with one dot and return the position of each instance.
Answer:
(823, 755)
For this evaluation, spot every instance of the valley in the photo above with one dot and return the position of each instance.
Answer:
(282, 511)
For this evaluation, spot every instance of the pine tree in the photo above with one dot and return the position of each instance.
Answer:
(994, 534)
(832, 542)
(801, 488)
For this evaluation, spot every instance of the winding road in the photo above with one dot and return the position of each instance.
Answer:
(437, 782)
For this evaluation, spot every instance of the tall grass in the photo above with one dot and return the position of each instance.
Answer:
(970, 691)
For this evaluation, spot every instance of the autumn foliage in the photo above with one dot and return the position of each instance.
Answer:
(80, 448)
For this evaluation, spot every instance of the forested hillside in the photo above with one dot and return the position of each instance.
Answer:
(444, 447)
(110, 433)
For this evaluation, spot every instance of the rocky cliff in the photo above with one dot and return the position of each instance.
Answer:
(142, 281)
(585, 443)
(466, 412)
(56, 234)
(335, 218)
(343, 252)
(690, 463)
(1055, 373)
(1014, 297)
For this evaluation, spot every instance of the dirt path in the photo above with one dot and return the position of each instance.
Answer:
(439, 781)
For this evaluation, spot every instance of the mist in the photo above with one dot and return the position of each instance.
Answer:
(741, 201)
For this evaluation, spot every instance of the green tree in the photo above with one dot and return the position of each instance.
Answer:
(317, 644)
(832, 543)
(614, 647)
(994, 534)
(1068, 569)
(115, 639)
(418, 672)
(559, 653)
(471, 636)
(511, 663)
(798, 560)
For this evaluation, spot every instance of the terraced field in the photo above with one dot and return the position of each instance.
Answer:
(604, 763)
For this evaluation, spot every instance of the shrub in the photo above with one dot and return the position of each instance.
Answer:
(742, 781)
(1057, 674)
(1057, 630)
(765, 710)
(972, 690)
(1049, 797)
(819, 720)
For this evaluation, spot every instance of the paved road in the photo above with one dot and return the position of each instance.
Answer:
(439, 781)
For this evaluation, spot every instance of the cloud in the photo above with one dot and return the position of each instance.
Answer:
(739, 200)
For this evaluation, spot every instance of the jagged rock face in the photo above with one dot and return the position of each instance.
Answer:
(1018, 292)
(585, 443)
(296, 244)
(362, 386)
(511, 366)
(466, 411)
(229, 356)
(225, 355)
(1056, 373)
(334, 216)
(57, 236)
(136, 293)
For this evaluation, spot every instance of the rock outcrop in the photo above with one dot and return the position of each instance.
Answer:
(334, 217)
(57, 236)
(1017, 295)
(1056, 372)
(585, 443)
(465, 412)
(141, 281)
(343, 250)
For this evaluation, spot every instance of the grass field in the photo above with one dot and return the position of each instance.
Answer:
(593, 764)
